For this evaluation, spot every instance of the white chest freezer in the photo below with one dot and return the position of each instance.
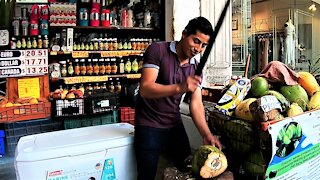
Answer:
(89, 153)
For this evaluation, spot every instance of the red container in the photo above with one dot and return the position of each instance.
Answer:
(127, 115)
(94, 17)
(105, 17)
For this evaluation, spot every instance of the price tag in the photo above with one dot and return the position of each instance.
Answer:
(4, 37)
(29, 87)
(80, 54)
(133, 76)
(32, 70)
(270, 102)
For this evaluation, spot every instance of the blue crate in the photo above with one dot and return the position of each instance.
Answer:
(15, 130)
(2, 150)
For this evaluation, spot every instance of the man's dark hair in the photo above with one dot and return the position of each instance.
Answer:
(199, 23)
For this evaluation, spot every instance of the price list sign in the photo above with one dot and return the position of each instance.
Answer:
(36, 61)
(15, 63)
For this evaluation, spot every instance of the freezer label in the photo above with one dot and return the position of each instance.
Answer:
(108, 170)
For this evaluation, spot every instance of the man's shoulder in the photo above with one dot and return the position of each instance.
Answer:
(161, 46)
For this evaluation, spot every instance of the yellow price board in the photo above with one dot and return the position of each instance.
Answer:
(80, 54)
(29, 87)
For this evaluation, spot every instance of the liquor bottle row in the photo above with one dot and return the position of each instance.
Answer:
(113, 44)
(29, 42)
(96, 67)
(112, 85)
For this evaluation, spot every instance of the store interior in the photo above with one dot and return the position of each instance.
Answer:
(83, 59)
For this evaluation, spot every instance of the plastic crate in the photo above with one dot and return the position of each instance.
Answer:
(68, 107)
(14, 131)
(102, 102)
(127, 114)
(2, 149)
(25, 112)
(93, 120)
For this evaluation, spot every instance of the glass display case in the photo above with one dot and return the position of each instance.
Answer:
(260, 27)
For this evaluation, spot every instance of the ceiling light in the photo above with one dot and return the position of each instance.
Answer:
(312, 7)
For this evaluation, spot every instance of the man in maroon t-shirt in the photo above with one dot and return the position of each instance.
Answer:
(168, 72)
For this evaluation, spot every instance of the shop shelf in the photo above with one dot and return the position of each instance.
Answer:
(64, 107)
(127, 115)
(14, 131)
(92, 79)
(92, 120)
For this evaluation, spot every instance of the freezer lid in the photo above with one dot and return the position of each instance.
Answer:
(74, 142)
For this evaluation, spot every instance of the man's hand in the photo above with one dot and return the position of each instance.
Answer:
(191, 84)
(212, 140)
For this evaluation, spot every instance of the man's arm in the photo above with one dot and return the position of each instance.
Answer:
(198, 116)
(150, 89)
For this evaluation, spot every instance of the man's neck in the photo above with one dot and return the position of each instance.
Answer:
(181, 57)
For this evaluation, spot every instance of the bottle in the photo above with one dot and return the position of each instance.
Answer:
(89, 67)
(23, 43)
(46, 42)
(63, 68)
(114, 67)
(34, 43)
(76, 67)
(147, 19)
(39, 42)
(121, 66)
(96, 87)
(111, 86)
(70, 68)
(102, 68)
(108, 66)
(29, 45)
(127, 66)
(13, 44)
(135, 66)
(83, 68)
(118, 86)
(91, 46)
(18, 44)
(74, 46)
(82, 47)
(89, 89)
(87, 47)
(104, 87)
(95, 67)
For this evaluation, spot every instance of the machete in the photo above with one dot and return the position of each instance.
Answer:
(212, 39)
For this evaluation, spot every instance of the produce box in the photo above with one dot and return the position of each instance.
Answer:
(25, 112)
(92, 120)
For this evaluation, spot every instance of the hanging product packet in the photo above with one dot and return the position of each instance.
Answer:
(233, 96)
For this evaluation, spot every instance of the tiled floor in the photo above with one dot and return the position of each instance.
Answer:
(7, 171)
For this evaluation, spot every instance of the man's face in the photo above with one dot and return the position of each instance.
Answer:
(194, 43)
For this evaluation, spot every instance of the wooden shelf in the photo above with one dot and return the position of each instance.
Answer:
(85, 54)
(87, 79)
(103, 27)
